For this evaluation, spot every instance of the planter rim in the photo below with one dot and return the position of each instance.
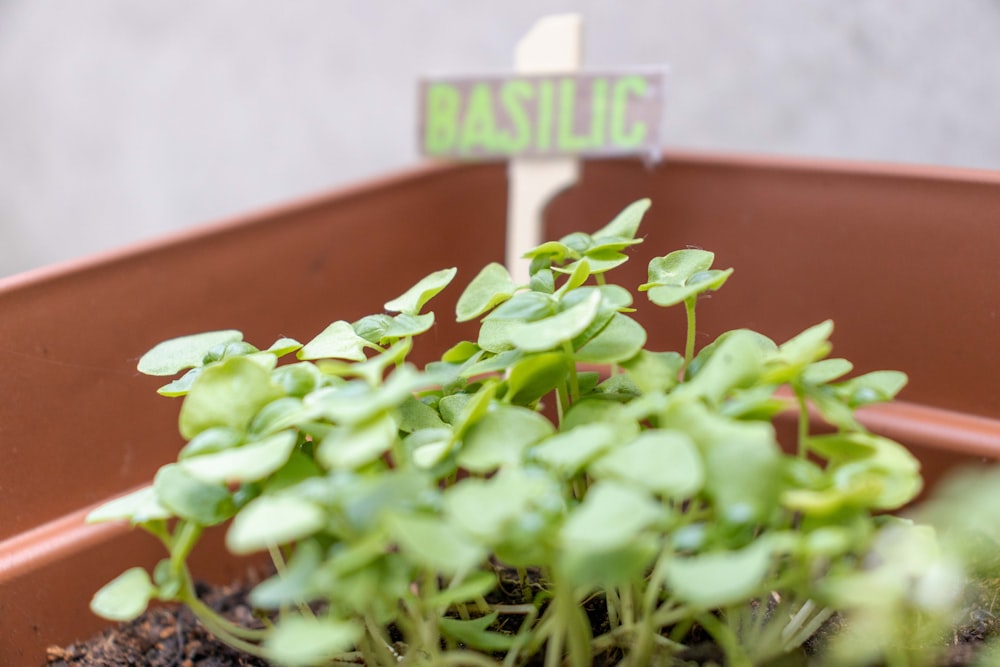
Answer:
(433, 168)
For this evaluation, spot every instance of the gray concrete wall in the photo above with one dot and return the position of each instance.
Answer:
(122, 120)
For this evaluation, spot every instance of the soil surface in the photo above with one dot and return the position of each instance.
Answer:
(170, 636)
(167, 636)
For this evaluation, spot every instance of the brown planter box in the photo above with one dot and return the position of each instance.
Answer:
(903, 259)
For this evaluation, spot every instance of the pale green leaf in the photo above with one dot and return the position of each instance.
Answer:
(191, 498)
(337, 341)
(249, 463)
(272, 521)
(490, 508)
(625, 225)
(569, 452)
(176, 354)
(435, 544)
(411, 301)
(797, 353)
(383, 329)
(125, 597)
(302, 641)
(491, 287)
(654, 371)
(620, 340)
(553, 331)
(136, 507)
(611, 516)
(500, 438)
(663, 462)
(351, 446)
(532, 377)
(474, 633)
(718, 579)
(226, 394)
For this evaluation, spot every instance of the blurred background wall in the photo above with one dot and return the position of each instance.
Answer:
(123, 120)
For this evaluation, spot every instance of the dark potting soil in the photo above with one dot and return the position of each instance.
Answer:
(168, 636)
(171, 636)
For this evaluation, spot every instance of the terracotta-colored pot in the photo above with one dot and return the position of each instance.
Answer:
(903, 260)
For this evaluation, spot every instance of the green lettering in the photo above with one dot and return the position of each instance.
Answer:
(543, 133)
(512, 95)
(567, 117)
(479, 128)
(598, 112)
(635, 85)
(440, 118)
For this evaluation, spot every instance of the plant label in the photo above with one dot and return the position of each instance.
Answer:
(594, 114)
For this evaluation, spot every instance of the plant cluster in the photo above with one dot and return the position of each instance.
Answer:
(467, 513)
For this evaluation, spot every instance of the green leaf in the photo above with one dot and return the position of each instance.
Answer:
(411, 301)
(625, 225)
(294, 584)
(474, 633)
(357, 401)
(248, 463)
(611, 516)
(435, 544)
(577, 277)
(227, 394)
(543, 281)
(892, 468)
(742, 459)
(553, 331)
(735, 361)
(569, 452)
(494, 335)
(181, 385)
(383, 329)
(136, 507)
(676, 267)
(797, 353)
(351, 446)
(176, 354)
(874, 387)
(191, 498)
(489, 509)
(620, 565)
(500, 438)
(460, 352)
(474, 409)
(532, 377)
(283, 346)
(125, 597)
(280, 414)
(663, 462)
(415, 415)
(620, 340)
(301, 641)
(556, 250)
(682, 275)
(654, 371)
(429, 447)
(826, 370)
(719, 579)
(491, 287)
(465, 590)
(211, 440)
(372, 370)
(492, 363)
(526, 307)
(297, 379)
(337, 341)
(272, 521)
(841, 447)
